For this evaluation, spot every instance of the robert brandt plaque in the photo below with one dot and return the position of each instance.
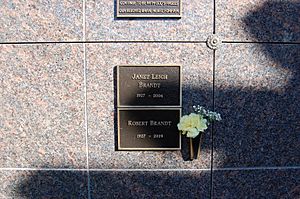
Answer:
(149, 86)
(149, 129)
(149, 107)
(149, 8)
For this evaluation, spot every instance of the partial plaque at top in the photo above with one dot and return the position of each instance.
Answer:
(155, 86)
(149, 8)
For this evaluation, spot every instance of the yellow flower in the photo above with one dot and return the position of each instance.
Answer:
(192, 124)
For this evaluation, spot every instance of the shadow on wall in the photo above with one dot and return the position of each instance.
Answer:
(265, 122)
(261, 127)
(109, 184)
(274, 21)
(278, 21)
(51, 184)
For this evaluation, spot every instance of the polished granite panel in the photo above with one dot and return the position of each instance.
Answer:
(196, 61)
(42, 106)
(257, 93)
(269, 184)
(43, 184)
(150, 184)
(258, 20)
(196, 23)
(53, 20)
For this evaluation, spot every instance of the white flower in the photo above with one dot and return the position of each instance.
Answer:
(192, 124)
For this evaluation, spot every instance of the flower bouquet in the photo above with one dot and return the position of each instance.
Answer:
(196, 123)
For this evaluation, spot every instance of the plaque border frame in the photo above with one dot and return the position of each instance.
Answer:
(149, 16)
(147, 149)
(150, 65)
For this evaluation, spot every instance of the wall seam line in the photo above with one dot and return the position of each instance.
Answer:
(85, 96)
(208, 169)
(142, 42)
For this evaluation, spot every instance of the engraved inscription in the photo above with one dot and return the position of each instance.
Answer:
(149, 76)
(149, 8)
(150, 136)
(149, 123)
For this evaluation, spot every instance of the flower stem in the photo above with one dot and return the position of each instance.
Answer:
(191, 149)
(199, 148)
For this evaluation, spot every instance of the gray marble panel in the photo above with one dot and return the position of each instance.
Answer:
(42, 106)
(53, 20)
(196, 23)
(257, 93)
(150, 184)
(268, 184)
(258, 20)
(196, 61)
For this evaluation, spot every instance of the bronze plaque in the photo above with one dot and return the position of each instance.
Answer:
(149, 8)
(149, 129)
(155, 86)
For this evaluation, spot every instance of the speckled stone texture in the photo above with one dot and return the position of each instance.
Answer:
(269, 184)
(195, 24)
(53, 20)
(58, 100)
(150, 184)
(42, 106)
(196, 61)
(43, 184)
(258, 20)
(257, 93)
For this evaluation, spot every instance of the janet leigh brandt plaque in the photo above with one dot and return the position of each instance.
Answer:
(155, 86)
